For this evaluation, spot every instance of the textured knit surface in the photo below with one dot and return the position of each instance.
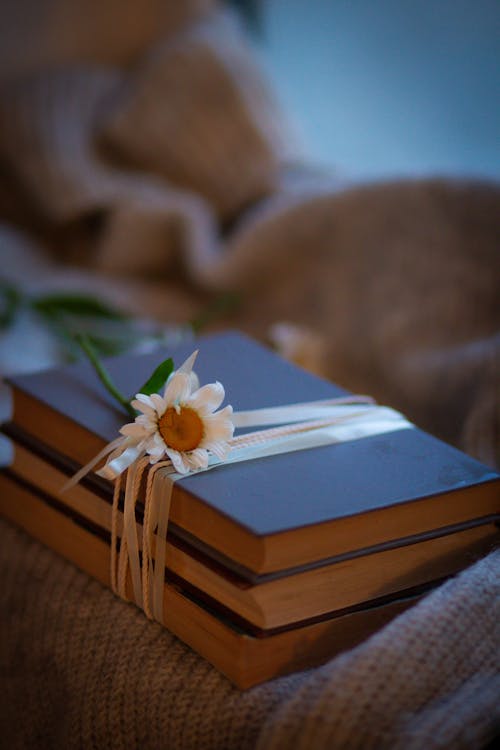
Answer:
(227, 154)
(81, 669)
(430, 679)
(132, 170)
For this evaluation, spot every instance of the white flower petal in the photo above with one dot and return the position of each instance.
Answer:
(155, 451)
(159, 403)
(217, 428)
(178, 388)
(144, 400)
(156, 454)
(197, 459)
(147, 410)
(159, 442)
(147, 422)
(194, 381)
(208, 398)
(187, 366)
(134, 430)
(143, 443)
(149, 443)
(178, 460)
(217, 434)
(226, 412)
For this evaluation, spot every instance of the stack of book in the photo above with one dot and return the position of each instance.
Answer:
(275, 564)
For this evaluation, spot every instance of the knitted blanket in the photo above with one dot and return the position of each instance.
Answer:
(170, 165)
(82, 669)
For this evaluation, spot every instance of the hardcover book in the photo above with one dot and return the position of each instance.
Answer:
(285, 511)
(272, 600)
(245, 657)
(274, 564)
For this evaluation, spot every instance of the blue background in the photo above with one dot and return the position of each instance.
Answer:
(379, 88)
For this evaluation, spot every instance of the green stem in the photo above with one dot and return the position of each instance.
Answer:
(103, 374)
(11, 300)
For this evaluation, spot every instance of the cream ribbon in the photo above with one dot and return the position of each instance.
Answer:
(303, 426)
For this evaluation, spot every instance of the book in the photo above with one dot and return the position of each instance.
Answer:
(274, 600)
(279, 513)
(243, 657)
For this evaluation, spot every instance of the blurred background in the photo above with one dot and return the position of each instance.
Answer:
(392, 87)
(322, 175)
(373, 89)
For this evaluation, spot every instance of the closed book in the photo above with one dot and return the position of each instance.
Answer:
(246, 658)
(268, 601)
(281, 512)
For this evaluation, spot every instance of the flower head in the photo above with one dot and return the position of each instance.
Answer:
(184, 423)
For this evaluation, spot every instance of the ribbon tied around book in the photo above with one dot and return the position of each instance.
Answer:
(184, 432)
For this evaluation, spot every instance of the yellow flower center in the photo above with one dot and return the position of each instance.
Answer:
(181, 430)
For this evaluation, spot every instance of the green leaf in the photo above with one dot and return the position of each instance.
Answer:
(69, 315)
(103, 374)
(158, 378)
(75, 304)
(106, 346)
(11, 300)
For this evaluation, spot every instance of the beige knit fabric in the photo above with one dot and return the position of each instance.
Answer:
(134, 169)
(214, 130)
(87, 141)
(37, 34)
(429, 679)
(81, 669)
(53, 118)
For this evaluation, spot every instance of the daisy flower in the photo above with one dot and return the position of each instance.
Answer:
(183, 424)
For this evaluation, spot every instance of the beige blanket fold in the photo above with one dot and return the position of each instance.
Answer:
(430, 679)
(199, 114)
(189, 137)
